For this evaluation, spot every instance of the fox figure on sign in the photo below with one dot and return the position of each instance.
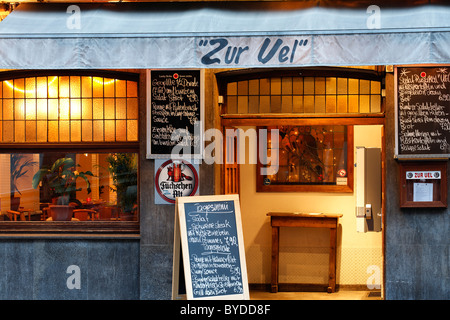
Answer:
(175, 174)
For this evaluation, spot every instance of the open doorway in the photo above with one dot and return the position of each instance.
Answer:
(344, 107)
(304, 252)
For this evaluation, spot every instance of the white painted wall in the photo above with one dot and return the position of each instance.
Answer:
(304, 251)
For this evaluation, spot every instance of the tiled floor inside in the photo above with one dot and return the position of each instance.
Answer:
(338, 295)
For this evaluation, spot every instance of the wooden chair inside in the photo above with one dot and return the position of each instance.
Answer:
(108, 213)
(12, 215)
(84, 214)
(45, 213)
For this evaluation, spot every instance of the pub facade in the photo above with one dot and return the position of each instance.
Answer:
(101, 103)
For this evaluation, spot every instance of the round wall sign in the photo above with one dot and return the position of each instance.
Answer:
(176, 178)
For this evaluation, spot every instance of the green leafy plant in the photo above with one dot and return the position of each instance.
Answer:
(123, 169)
(61, 178)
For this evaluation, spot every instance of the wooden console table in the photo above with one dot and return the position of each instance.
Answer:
(309, 220)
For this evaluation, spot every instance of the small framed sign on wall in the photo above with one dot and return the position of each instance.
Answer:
(423, 184)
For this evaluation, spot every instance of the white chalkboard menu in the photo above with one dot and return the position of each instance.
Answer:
(422, 112)
(210, 232)
(174, 113)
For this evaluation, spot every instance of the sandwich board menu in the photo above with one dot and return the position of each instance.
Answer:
(422, 112)
(208, 238)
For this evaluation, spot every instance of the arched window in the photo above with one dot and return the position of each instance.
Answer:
(74, 108)
(303, 95)
(69, 139)
(313, 110)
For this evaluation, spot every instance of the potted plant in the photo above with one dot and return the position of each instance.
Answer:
(61, 177)
(20, 165)
(123, 169)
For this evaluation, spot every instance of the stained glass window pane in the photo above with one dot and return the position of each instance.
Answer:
(304, 95)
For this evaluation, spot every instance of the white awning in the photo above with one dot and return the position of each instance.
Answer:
(220, 35)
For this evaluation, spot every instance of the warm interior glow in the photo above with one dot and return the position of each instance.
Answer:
(68, 109)
(101, 195)
(103, 82)
(41, 89)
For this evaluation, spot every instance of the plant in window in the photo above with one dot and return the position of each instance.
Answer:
(20, 165)
(61, 178)
(123, 169)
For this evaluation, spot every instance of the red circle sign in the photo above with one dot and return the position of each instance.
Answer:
(176, 178)
(342, 173)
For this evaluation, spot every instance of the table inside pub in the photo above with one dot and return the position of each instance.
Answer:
(309, 220)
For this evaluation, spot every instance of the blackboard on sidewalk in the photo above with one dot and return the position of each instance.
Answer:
(422, 112)
(174, 102)
(208, 238)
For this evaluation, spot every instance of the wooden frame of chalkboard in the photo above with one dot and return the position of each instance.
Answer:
(175, 100)
(208, 240)
(422, 108)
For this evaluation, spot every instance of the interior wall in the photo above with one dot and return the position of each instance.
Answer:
(304, 252)
(5, 186)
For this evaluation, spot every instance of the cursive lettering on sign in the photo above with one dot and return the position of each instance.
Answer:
(214, 248)
(175, 105)
(423, 111)
(264, 50)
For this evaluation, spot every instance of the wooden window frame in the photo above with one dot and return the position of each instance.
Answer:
(300, 119)
(30, 74)
(305, 120)
(223, 78)
(261, 187)
(69, 228)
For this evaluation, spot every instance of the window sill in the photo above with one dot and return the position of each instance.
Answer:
(69, 229)
(305, 188)
(68, 236)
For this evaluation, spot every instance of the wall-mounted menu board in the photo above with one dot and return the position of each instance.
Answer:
(422, 112)
(210, 232)
(174, 101)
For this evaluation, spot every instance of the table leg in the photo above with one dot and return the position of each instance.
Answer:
(275, 258)
(332, 263)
